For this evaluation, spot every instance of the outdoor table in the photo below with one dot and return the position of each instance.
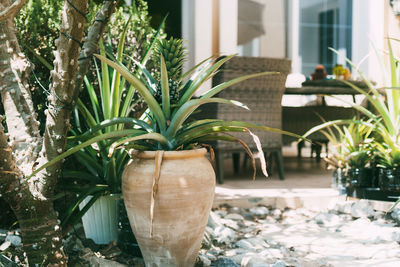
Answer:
(303, 118)
(326, 87)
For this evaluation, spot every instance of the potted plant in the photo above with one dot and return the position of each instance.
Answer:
(351, 157)
(168, 187)
(382, 124)
(358, 142)
(385, 116)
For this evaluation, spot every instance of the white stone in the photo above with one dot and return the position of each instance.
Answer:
(254, 261)
(343, 206)
(327, 219)
(5, 245)
(273, 253)
(396, 214)
(226, 262)
(362, 209)
(235, 210)
(214, 220)
(236, 251)
(368, 232)
(14, 239)
(224, 235)
(258, 242)
(204, 260)
(245, 244)
(211, 256)
(276, 213)
(309, 239)
(235, 217)
(230, 223)
(279, 264)
(221, 213)
(259, 211)
(238, 258)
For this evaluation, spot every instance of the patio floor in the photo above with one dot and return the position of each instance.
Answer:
(307, 183)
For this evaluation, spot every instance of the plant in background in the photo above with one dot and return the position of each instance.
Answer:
(382, 139)
(386, 115)
(352, 141)
(353, 148)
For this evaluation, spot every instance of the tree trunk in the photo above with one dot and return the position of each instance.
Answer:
(22, 149)
(41, 233)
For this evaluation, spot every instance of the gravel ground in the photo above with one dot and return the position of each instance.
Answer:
(349, 233)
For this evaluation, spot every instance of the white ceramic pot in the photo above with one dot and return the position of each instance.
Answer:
(100, 222)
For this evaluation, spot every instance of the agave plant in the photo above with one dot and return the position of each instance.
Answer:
(164, 126)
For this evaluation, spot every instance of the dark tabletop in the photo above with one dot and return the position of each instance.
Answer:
(325, 87)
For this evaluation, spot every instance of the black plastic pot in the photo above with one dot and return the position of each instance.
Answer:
(361, 177)
(389, 179)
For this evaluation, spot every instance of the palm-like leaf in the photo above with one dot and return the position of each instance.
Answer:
(163, 126)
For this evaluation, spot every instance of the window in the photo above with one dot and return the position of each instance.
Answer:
(324, 24)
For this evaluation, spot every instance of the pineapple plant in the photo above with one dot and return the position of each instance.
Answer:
(173, 52)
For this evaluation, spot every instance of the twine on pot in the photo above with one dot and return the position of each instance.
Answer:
(156, 178)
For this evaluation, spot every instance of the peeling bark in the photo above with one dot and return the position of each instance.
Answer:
(61, 90)
(17, 102)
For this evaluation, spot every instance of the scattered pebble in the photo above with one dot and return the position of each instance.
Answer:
(259, 211)
(5, 245)
(349, 233)
(261, 236)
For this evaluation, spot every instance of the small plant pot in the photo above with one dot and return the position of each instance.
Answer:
(361, 177)
(100, 222)
(389, 179)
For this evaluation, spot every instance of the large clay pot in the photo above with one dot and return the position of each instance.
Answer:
(182, 203)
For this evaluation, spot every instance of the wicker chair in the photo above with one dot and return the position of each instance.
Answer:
(263, 95)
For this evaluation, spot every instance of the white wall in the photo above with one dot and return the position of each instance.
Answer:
(272, 43)
(197, 29)
(392, 29)
(368, 31)
(228, 26)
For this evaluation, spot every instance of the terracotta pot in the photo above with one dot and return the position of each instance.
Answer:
(182, 203)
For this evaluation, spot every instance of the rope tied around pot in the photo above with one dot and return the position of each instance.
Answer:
(156, 177)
